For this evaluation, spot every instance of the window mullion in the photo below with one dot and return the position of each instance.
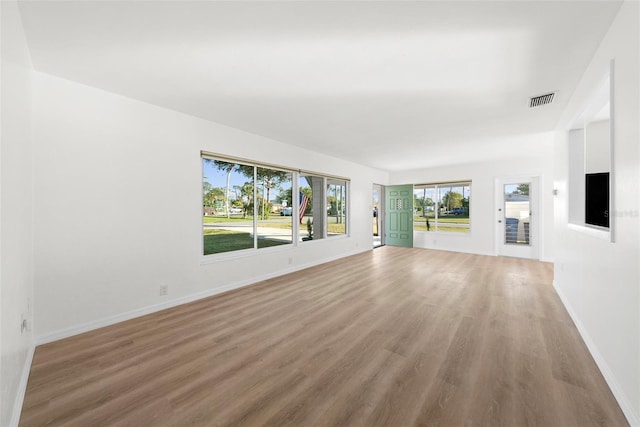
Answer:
(295, 207)
(255, 206)
(324, 208)
(437, 205)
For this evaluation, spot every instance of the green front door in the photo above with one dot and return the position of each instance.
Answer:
(399, 215)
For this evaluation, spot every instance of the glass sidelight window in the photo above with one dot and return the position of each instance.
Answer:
(336, 207)
(517, 213)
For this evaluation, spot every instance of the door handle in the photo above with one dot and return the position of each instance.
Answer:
(499, 221)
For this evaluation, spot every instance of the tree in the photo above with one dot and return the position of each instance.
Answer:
(465, 203)
(452, 200)
(246, 197)
(269, 178)
(228, 168)
(212, 196)
(418, 202)
(206, 189)
(522, 189)
(332, 205)
(335, 201)
(423, 202)
(285, 195)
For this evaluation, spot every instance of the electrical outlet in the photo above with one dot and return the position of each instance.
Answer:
(164, 290)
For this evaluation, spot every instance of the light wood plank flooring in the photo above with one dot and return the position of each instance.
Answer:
(390, 337)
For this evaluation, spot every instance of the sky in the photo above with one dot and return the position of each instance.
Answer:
(219, 178)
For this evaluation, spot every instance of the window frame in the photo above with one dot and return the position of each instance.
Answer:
(334, 182)
(295, 205)
(437, 187)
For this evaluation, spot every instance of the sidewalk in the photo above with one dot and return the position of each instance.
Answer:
(282, 234)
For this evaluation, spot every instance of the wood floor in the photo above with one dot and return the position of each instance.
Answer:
(390, 337)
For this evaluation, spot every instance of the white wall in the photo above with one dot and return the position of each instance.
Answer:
(481, 240)
(598, 280)
(575, 176)
(103, 162)
(118, 207)
(16, 230)
(597, 156)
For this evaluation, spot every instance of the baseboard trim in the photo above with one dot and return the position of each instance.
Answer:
(456, 250)
(22, 387)
(618, 394)
(112, 320)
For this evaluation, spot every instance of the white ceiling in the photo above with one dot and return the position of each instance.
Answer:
(393, 85)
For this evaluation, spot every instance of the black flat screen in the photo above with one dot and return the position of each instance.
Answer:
(597, 199)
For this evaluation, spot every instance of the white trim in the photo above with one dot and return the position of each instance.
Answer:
(536, 231)
(248, 162)
(22, 387)
(456, 250)
(618, 394)
(593, 231)
(245, 253)
(111, 320)
(602, 94)
(465, 251)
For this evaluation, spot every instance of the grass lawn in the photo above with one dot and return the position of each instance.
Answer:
(283, 225)
(433, 228)
(336, 228)
(455, 219)
(233, 218)
(218, 241)
(248, 219)
(419, 223)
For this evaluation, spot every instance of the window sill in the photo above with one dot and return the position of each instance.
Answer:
(592, 230)
(244, 253)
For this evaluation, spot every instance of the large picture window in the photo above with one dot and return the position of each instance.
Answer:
(442, 207)
(250, 206)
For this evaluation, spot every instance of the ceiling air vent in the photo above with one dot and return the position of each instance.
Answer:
(536, 101)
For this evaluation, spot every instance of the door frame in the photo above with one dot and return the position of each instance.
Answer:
(533, 250)
(380, 213)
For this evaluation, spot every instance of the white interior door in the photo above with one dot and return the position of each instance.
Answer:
(517, 222)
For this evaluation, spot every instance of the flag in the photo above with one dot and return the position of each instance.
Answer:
(304, 202)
